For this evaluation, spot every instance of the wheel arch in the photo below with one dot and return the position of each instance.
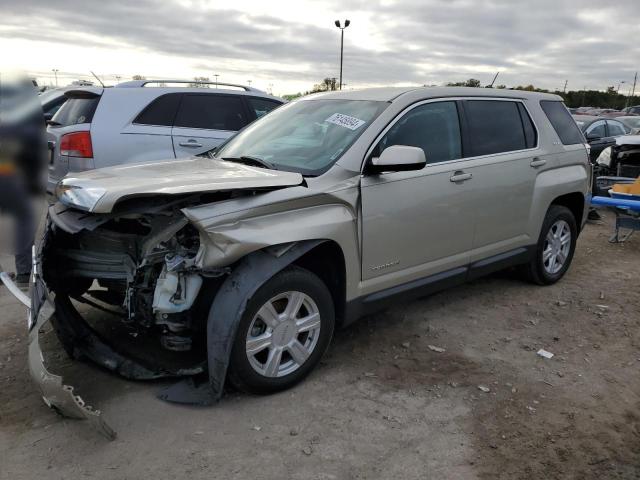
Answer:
(575, 202)
(327, 261)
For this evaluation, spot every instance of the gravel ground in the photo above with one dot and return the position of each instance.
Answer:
(384, 403)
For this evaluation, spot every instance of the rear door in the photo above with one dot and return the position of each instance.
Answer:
(205, 120)
(501, 146)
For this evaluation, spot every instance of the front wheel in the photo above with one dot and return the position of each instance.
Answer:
(555, 247)
(283, 333)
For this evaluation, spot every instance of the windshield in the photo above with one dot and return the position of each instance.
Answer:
(307, 136)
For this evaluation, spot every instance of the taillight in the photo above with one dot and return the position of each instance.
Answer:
(77, 144)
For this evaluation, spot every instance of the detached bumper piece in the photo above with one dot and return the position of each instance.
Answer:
(55, 393)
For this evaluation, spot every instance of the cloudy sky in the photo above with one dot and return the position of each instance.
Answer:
(287, 46)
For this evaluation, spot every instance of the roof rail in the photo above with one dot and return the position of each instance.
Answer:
(142, 83)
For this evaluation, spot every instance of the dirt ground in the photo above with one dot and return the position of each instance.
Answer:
(383, 404)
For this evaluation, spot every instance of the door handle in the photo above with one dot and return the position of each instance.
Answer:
(537, 162)
(190, 144)
(460, 176)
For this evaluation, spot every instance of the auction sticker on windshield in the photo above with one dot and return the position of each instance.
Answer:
(346, 121)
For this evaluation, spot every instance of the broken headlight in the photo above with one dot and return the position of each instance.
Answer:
(84, 198)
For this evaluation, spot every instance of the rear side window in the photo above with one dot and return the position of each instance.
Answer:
(76, 111)
(262, 106)
(616, 128)
(161, 111)
(494, 127)
(212, 112)
(562, 122)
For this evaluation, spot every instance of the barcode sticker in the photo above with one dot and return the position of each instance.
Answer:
(346, 121)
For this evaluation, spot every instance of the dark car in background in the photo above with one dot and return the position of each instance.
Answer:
(600, 132)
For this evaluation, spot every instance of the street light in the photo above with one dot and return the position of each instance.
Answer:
(346, 24)
(55, 73)
(216, 75)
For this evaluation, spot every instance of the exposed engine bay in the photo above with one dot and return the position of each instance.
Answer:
(139, 269)
(621, 161)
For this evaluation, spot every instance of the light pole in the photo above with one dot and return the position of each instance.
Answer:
(216, 75)
(249, 82)
(55, 73)
(346, 24)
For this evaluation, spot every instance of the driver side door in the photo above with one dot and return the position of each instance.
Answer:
(418, 223)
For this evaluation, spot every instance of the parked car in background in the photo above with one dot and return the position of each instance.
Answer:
(52, 100)
(631, 122)
(243, 261)
(635, 110)
(600, 132)
(147, 120)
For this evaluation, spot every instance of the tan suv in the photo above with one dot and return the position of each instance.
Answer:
(238, 265)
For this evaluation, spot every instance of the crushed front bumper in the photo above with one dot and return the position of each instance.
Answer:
(55, 393)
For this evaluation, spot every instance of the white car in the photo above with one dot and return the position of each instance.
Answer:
(147, 120)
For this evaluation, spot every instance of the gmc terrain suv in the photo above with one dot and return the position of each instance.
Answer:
(147, 120)
(238, 265)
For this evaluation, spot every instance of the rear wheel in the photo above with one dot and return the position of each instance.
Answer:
(555, 247)
(283, 333)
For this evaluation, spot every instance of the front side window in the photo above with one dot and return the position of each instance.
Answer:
(494, 127)
(211, 112)
(433, 127)
(306, 136)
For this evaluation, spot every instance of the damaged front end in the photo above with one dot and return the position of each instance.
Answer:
(123, 290)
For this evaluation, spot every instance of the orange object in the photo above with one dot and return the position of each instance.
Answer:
(630, 188)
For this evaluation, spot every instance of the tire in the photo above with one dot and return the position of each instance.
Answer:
(266, 329)
(541, 269)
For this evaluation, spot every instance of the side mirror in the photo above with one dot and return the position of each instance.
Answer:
(398, 158)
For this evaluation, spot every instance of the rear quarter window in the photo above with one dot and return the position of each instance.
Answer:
(161, 111)
(76, 111)
(562, 122)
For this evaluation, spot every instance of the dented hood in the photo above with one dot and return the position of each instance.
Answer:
(99, 190)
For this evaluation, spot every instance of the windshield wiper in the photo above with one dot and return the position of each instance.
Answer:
(249, 160)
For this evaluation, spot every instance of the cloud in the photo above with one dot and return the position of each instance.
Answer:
(542, 42)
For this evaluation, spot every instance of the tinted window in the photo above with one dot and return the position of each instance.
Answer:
(597, 130)
(262, 106)
(494, 127)
(562, 122)
(529, 130)
(213, 112)
(616, 129)
(161, 111)
(434, 127)
(75, 111)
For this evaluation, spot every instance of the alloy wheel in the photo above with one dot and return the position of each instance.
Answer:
(557, 245)
(283, 334)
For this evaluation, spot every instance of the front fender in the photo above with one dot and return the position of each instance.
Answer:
(224, 316)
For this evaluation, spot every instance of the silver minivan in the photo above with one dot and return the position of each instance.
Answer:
(147, 120)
